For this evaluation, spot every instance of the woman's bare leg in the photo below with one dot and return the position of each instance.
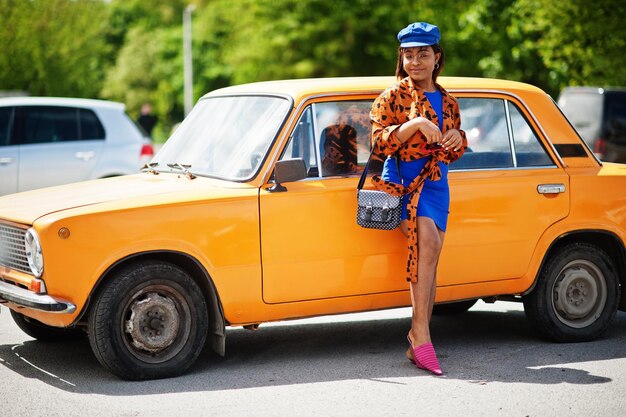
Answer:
(430, 241)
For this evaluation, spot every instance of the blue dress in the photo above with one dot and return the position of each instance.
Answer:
(434, 201)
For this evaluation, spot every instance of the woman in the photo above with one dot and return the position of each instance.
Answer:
(418, 121)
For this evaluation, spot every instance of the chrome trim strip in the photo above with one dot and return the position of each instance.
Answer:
(25, 298)
(316, 137)
(509, 126)
(502, 169)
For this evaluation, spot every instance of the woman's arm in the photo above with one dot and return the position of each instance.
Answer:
(389, 134)
(383, 125)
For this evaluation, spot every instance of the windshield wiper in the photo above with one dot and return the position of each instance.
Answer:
(150, 167)
(183, 168)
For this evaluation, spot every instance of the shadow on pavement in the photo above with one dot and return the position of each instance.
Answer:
(478, 347)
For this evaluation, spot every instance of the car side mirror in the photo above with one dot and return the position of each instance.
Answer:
(288, 170)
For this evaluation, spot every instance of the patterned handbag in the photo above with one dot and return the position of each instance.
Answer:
(377, 209)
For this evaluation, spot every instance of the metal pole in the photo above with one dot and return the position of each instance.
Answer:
(187, 58)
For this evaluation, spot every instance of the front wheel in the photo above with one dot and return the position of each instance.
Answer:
(149, 321)
(576, 295)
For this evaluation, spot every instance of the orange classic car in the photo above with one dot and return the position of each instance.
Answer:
(247, 215)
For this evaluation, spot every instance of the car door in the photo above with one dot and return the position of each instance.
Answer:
(9, 153)
(311, 245)
(51, 150)
(505, 192)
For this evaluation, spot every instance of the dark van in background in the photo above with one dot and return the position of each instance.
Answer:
(599, 115)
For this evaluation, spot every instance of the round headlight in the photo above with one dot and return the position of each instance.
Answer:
(33, 252)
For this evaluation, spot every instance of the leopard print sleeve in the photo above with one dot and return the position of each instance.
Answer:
(456, 116)
(384, 123)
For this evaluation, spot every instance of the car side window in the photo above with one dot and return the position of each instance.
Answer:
(90, 126)
(333, 138)
(498, 136)
(49, 124)
(529, 152)
(344, 136)
(6, 116)
(485, 124)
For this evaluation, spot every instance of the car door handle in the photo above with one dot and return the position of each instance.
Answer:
(6, 161)
(85, 156)
(551, 188)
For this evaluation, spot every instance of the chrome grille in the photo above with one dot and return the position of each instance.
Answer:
(12, 250)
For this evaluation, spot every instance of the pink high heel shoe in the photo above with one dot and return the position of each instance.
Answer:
(424, 357)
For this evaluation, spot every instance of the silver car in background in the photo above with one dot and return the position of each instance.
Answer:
(599, 115)
(46, 141)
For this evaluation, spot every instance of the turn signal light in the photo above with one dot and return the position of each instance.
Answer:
(37, 286)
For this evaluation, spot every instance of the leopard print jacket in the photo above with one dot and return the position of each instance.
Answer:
(396, 105)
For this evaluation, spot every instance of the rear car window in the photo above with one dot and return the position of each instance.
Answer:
(90, 126)
(51, 124)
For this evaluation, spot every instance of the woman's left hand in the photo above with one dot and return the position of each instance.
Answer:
(452, 139)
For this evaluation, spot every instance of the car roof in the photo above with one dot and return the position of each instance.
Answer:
(60, 101)
(299, 88)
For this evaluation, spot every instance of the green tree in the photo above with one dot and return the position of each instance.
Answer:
(261, 40)
(580, 42)
(52, 47)
(149, 69)
(501, 46)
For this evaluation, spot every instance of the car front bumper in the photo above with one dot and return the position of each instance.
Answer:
(26, 298)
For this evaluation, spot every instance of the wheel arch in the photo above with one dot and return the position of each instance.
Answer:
(607, 241)
(216, 336)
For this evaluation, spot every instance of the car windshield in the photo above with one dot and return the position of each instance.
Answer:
(225, 137)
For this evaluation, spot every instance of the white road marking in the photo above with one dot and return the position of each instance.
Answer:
(38, 368)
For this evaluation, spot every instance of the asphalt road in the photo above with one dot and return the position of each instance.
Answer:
(349, 365)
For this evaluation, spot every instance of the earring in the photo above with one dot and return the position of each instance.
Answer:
(437, 66)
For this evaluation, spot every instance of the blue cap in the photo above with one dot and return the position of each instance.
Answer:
(419, 34)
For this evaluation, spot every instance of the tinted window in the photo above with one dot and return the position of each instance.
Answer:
(615, 115)
(485, 124)
(528, 149)
(48, 124)
(90, 126)
(6, 115)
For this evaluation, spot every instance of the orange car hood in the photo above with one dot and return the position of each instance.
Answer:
(26, 207)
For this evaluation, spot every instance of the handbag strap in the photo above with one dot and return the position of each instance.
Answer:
(367, 165)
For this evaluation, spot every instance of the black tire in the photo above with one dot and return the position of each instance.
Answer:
(449, 309)
(576, 294)
(43, 332)
(149, 321)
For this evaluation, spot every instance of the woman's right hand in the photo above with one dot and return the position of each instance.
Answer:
(430, 130)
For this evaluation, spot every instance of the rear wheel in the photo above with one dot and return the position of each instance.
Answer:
(576, 295)
(43, 332)
(149, 321)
